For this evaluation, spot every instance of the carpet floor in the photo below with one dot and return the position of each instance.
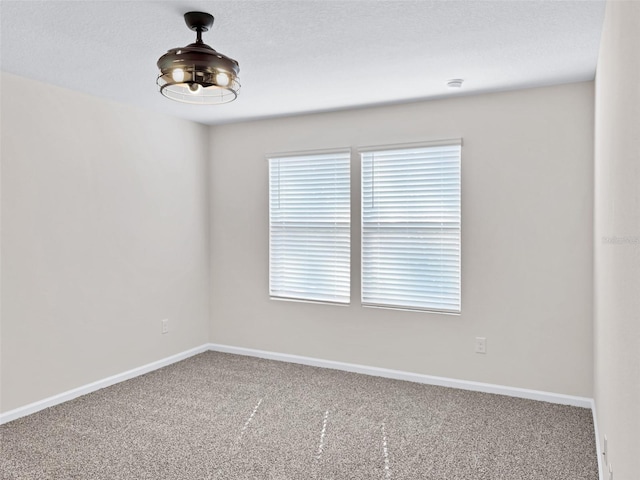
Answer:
(227, 417)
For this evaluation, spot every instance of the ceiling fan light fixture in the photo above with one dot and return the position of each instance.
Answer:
(197, 74)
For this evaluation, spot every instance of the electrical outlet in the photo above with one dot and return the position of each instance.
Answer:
(604, 450)
(165, 325)
(481, 345)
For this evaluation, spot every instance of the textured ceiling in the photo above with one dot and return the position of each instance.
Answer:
(305, 56)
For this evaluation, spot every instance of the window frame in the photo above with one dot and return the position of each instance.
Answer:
(388, 147)
(311, 153)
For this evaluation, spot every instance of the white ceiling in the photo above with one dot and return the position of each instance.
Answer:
(305, 56)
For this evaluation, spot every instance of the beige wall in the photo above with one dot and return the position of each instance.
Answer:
(617, 238)
(104, 233)
(527, 241)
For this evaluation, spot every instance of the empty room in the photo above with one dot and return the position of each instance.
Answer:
(303, 239)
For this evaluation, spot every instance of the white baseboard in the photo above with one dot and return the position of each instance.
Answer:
(92, 387)
(598, 447)
(316, 362)
(558, 398)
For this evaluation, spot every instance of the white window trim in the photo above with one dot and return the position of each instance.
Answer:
(399, 146)
(301, 153)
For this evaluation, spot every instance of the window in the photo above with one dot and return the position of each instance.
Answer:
(309, 227)
(411, 227)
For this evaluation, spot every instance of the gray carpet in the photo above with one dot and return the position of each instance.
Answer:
(220, 416)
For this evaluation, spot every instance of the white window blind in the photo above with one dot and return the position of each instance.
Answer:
(309, 227)
(411, 227)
